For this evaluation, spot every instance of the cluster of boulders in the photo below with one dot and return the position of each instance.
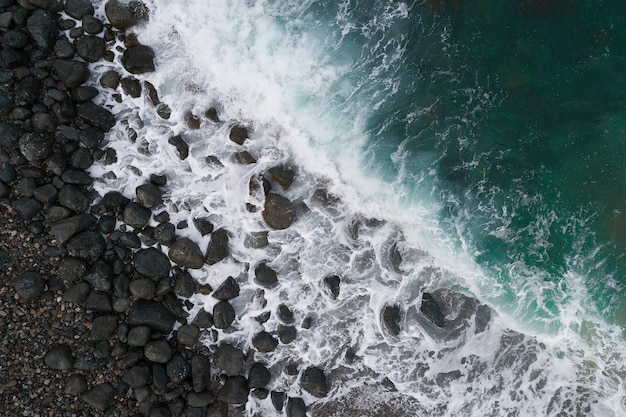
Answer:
(112, 261)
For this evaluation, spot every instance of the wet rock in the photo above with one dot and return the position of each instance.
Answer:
(73, 198)
(228, 290)
(64, 229)
(90, 48)
(223, 315)
(203, 319)
(70, 270)
(151, 313)
(314, 382)
(279, 213)
(92, 25)
(286, 334)
(35, 147)
(238, 134)
(71, 73)
(187, 334)
(264, 342)
(100, 397)
(259, 376)
(120, 14)
(391, 319)
(244, 158)
(431, 310)
(200, 372)
(217, 409)
(136, 215)
(264, 275)
(278, 400)
(88, 245)
(96, 116)
(64, 49)
(178, 369)
(100, 276)
(228, 359)
(165, 233)
(283, 176)
(234, 391)
(138, 59)
(103, 327)
(153, 95)
(333, 283)
(186, 253)
(218, 247)
(110, 79)
(295, 407)
(131, 86)
(284, 313)
(76, 384)
(181, 146)
(139, 335)
(192, 121)
(149, 195)
(185, 286)
(59, 357)
(158, 351)
(142, 288)
(130, 240)
(164, 112)
(42, 26)
(78, 8)
(76, 177)
(83, 94)
(203, 225)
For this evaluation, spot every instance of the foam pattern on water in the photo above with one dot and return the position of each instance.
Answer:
(270, 67)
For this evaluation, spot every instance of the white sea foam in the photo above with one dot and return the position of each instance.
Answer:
(270, 66)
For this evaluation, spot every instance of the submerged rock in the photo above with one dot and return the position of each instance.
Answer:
(431, 310)
(278, 211)
(314, 382)
(391, 319)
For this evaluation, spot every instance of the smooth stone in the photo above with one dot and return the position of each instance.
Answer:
(234, 391)
(278, 212)
(27, 208)
(228, 290)
(223, 315)
(92, 25)
(178, 369)
(78, 9)
(203, 319)
(149, 195)
(217, 249)
(136, 215)
(228, 359)
(186, 253)
(119, 14)
(138, 59)
(76, 177)
(174, 305)
(60, 357)
(90, 48)
(159, 351)
(238, 134)
(63, 49)
(295, 407)
(71, 73)
(165, 233)
(200, 372)
(264, 275)
(131, 86)
(259, 376)
(64, 229)
(187, 334)
(82, 94)
(76, 384)
(284, 313)
(314, 382)
(29, 285)
(137, 375)
(217, 409)
(153, 314)
(103, 327)
(76, 293)
(130, 240)
(181, 146)
(185, 286)
(97, 116)
(391, 319)
(139, 335)
(286, 334)
(73, 198)
(200, 399)
(99, 301)
(278, 400)
(142, 288)
(264, 342)
(100, 397)
(42, 26)
(203, 225)
(100, 276)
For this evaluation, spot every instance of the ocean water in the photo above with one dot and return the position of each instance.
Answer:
(468, 150)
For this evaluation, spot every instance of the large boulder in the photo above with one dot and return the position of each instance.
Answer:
(186, 253)
(138, 59)
(120, 14)
(314, 382)
(42, 26)
(278, 211)
(64, 229)
(87, 245)
(90, 48)
(96, 116)
(35, 147)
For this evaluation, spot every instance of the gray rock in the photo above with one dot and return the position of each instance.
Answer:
(100, 276)
(29, 285)
(119, 14)
(217, 409)
(264, 275)
(200, 399)
(228, 359)
(135, 215)
(100, 397)
(284, 313)
(149, 195)
(99, 301)
(15, 39)
(35, 147)
(159, 376)
(238, 134)
(283, 176)
(78, 8)
(70, 270)
(9, 136)
(259, 376)
(92, 25)
(200, 372)
(153, 95)
(218, 247)
(27, 208)
(178, 369)
(142, 288)
(186, 253)
(46, 193)
(228, 290)
(279, 213)
(234, 391)
(131, 86)
(391, 319)
(278, 400)
(130, 240)
(333, 283)
(165, 233)
(90, 48)
(64, 229)
(110, 79)
(72, 198)
(76, 293)
(139, 336)
(138, 59)
(203, 225)
(63, 49)
(71, 73)
(314, 382)
(264, 342)
(223, 315)
(431, 310)
(286, 334)
(152, 263)
(151, 313)
(76, 384)
(81, 94)
(59, 357)
(187, 334)
(158, 351)
(103, 327)
(96, 116)
(42, 26)
(44, 122)
(174, 305)
(295, 407)
(137, 375)
(203, 319)
(76, 176)
(181, 146)
(185, 286)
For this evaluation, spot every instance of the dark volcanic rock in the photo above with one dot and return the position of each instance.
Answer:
(142, 288)
(138, 59)
(186, 253)
(88, 245)
(238, 134)
(431, 310)
(42, 26)
(73, 198)
(264, 275)
(200, 372)
(64, 229)
(314, 382)
(259, 376)
(100, 397)
(119, 14)
(218, 247)
(295, 407)
(78, 8)
(203, 225)
(278, 400)
(131, 86)
(234, 391)
(333, 282)
(103, 327)
(286, 334)
(149, 195)
(136, 215)
(35, 147)
(76, 384)
(90, 48)
(228, 359)
(158, 351)
(152, 263)
(185, 286)
(92, 25)
(165, 233)
(228, 290)
(278, 211)
(284, 313)
(223, 315)
(282, 176)
(27, 208)
(391, 319)
(29, 285)
(100, 276)
(139, 335)
(187, 334)
(70, 269)
(181, 146)
(110, 79)
(71, 73)
(151, 313)
(137, 375)
(178, 369)
(84, 93)
(96, 116)
(264, 342)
